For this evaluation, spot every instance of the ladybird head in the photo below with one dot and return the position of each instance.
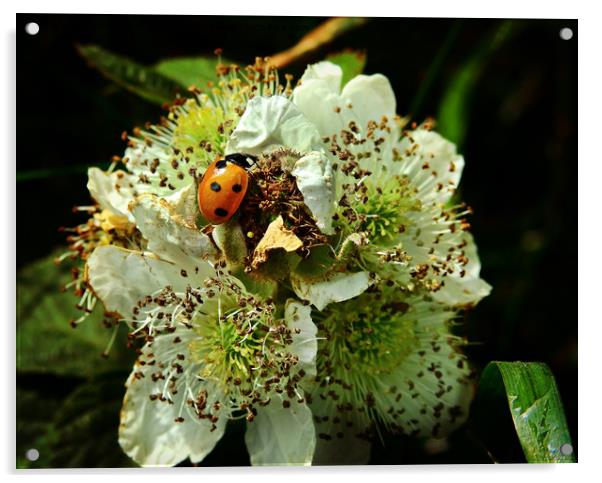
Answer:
(241, 159)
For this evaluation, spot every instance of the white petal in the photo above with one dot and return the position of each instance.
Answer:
(467, 290)
(137, 157)
(168, 234)
(364, 98)
(332, 288)
(121, 278)
(322, 106)
(148, 432)
(316, 181)
(270, 122)
(324, 71)
(281, 436)
(184, 204)
(434, 167)
(305, 344)
(443, 390)
(371, 97)
(112, 191)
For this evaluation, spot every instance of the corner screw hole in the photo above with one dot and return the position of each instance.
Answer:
(566, 449)
(566, 33)
(32, 454)
(32, 28)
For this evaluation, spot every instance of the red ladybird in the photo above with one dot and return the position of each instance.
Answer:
(224, 186)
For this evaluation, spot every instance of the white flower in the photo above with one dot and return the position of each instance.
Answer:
(386, 360)
(393, 186)
(212, 352)
(346, 210)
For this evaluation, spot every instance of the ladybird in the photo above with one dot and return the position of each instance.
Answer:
(224, 186)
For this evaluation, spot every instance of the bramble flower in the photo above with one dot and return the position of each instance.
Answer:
(347, 210)
(393, 186)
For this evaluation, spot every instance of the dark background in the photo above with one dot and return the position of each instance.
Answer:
(520, 176)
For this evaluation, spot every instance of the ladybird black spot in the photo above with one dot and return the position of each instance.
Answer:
(221, 164)
(221, 212)
(215, 187)
(236, 188)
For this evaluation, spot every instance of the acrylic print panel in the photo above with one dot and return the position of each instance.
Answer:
(295, 241)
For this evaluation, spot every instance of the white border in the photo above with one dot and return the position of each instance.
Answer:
(590, 221)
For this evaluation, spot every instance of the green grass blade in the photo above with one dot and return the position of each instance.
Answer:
(535, 406)
(452, 118)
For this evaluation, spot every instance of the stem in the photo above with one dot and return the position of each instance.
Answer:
(318, 37)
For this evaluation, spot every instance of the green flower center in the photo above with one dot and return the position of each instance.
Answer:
(382, 213)
(228, 353)
(385, 211)
(245, 352)
(205, 127)
(367, 336)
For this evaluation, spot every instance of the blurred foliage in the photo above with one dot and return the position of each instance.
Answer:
(504, 90)
(144, 81)
(78, 427)
(454, 109)
(323, 35)
(80, 432)
(188, 71)
(46, 342)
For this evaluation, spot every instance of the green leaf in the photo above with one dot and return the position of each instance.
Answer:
(351, 61)
(144, 81)
(452, 118)
(535, 406)
(46, 342)
(188, 71)
(82, 431)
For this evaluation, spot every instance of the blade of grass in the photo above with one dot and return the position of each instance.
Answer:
(452, 118)
(535, 406)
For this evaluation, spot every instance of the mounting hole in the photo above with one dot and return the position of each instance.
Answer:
(32, 28)
(566, 34)
(566, 449)
(32, 454)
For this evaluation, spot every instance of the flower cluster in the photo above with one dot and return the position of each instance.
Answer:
(322, 309)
